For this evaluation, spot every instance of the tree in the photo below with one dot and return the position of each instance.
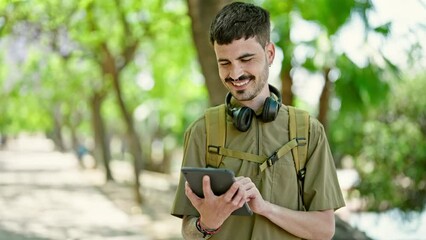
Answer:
(38, 65)
(391, 156)
(202, 13)
(328, 17)
(63, 71)
(114, 53)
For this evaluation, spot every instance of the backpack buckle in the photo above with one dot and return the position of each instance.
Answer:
(301, 141)
(213, 149)
(272, 159)
(301, 174)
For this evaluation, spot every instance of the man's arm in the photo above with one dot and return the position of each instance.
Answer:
(189, 230)
(306, 225)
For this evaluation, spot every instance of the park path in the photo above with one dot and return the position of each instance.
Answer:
(43, 195)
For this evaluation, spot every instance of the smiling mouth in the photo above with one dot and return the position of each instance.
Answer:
(240, 83)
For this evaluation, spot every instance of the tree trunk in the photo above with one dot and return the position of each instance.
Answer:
(57, 136)
(167, 162)
(324, 99)
(111, 68)
(111, 72)
(75, 142)
(132, 137)
(287, 83)
(136, 152)
(287, 47)
(202, 13)
(102, 149)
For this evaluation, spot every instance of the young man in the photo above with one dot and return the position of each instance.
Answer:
(240, 37)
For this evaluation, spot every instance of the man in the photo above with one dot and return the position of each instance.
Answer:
(240, 37)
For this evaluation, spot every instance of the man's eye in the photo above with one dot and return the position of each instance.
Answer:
(224, 63)
(245, 59)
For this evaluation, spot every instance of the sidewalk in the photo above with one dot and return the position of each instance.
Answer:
(44, 195)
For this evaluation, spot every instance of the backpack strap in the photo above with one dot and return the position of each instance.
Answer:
(278, 154)
(215, 119)
(299, 131)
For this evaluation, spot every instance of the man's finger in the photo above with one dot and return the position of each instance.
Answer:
(189, 193)
(233, 190)
(207, 189)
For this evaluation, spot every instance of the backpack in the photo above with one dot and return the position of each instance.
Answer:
(215, 120)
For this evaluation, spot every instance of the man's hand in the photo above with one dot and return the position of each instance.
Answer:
(254, 199)
(214, 210)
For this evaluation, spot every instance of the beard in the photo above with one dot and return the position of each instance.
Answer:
(252, 92)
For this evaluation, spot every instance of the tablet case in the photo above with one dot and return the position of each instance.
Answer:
(220, 180)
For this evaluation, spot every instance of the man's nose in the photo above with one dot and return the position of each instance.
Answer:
(236, 71)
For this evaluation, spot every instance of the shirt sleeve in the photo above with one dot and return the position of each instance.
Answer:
(194, 156)
(321, 186)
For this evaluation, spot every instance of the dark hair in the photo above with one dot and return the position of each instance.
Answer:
(240, 20)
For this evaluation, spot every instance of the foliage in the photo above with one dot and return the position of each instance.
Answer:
(63, 62)
(331, 14)
(355, 89)
(359, 90)
(392, 160)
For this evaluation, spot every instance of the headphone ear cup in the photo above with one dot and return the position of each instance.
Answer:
(270, 110)
(242, 118)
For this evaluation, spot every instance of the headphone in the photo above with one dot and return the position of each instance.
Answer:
(242, 117)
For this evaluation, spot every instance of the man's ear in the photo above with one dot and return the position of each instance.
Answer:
(270, 52)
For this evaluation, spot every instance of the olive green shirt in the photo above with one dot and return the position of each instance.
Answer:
(277, 184)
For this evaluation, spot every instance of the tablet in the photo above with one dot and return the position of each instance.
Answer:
(220, 180)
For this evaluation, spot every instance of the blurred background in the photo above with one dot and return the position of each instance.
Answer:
(95, 92)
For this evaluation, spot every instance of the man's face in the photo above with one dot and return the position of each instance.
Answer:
(244, 68)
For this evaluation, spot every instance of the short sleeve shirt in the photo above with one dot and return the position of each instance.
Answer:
(278, 184)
